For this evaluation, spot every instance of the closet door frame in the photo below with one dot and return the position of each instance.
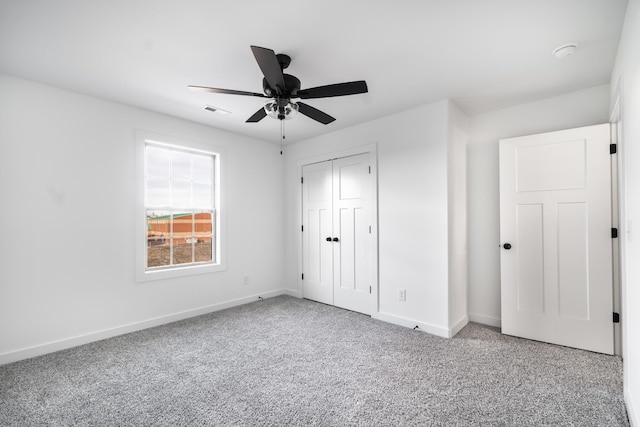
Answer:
(374, 274)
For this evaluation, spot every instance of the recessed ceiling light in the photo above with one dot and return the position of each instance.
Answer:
(216, 110)
(564, 50)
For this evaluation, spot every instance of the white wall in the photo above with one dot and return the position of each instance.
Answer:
(67, 221)
(412, 149)
(583, 108)
(627, 74)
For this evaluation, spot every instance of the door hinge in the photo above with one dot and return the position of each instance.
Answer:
(369, 229)
(613, 148)
(614, 233)
(369, 289)
(302, 276)
(369, 170)
(301, 180)
(616, 317)
(302, 228)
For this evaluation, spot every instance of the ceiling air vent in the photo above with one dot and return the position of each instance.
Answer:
(216, 110)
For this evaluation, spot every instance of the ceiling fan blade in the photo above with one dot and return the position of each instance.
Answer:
(225, 91)
(270, 67)
(338, 89)
(257, 116)
(314, 113)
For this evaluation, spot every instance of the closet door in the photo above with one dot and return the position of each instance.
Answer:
(317, 220)
(351, 226)
(337, 243)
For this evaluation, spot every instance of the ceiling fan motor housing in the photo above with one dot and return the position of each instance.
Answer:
(291, 83)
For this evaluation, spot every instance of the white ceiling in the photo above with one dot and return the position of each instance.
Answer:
(484, 55)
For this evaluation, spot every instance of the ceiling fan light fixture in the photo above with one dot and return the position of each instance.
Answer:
(281, 110)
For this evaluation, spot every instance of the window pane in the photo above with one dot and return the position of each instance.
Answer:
(203, 225)
(182, 227)
(203, 251)
(158, 224)
(158, 253)
(182, 251)
(181, 194)
(180, 165)
(202, 168)
(203, 195)
(158, 232)
(158, 161)
(157, 192)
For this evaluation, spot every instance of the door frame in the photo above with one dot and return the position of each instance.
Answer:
(618, 194)
(372, 150)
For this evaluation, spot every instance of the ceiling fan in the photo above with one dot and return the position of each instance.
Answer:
(284, 87)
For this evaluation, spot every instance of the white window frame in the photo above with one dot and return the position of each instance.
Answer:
(142, 273)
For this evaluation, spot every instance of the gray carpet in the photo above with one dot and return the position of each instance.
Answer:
(286, 361)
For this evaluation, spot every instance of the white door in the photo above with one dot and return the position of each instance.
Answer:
(337, 238)
(351, 226)
(317, 223)
(555, 229)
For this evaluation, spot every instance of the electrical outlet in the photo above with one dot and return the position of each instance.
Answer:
(245, 280)
(402, 294)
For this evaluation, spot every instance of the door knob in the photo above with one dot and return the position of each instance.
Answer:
(328, 239)
(507, 246)
(335, 239)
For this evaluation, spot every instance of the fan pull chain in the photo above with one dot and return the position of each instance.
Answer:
(281, 135)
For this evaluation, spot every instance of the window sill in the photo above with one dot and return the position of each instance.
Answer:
(192, 270)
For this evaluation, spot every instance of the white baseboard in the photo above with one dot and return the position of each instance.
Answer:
(631, 410)
(409, 323)
(50, 347)
(485, 320)
(457, 327)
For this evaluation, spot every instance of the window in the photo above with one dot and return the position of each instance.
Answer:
(179, 225)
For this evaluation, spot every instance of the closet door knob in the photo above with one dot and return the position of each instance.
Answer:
(507, 246)
(335, 239)
(328, 239)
